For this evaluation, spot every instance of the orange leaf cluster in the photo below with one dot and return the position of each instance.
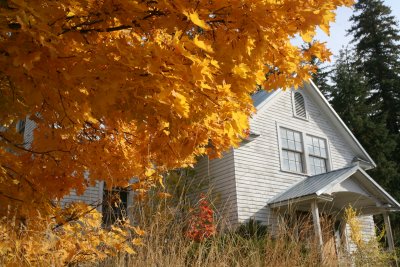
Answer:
(201, 224)
(54, 242)
(121, 89)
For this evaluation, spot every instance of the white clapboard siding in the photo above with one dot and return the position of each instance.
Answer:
(93, 196)
(257, 164)
(219, 177)
(28, 132)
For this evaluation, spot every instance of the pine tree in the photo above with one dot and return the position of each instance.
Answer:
(366, 91)
(321, 76)
(350, 98)
(376, 38)
(376, 35)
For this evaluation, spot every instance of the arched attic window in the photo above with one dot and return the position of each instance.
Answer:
(299, 106)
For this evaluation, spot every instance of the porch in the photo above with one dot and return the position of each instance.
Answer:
(329, 194)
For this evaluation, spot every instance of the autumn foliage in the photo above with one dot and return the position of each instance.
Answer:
(201, 224)
(121, 89)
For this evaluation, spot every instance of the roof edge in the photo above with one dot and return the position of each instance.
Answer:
(380, 188)
(340, 179)
(325, 101)
(268, 99)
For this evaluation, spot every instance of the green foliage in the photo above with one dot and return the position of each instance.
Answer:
(366, 91)
(252, 229)
(322, 74)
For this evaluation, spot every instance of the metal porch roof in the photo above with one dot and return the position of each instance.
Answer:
(321, 184)
(312, 184)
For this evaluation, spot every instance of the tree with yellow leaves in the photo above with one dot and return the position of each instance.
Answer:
(122, 89)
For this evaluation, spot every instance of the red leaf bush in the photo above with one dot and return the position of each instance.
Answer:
(201, 224)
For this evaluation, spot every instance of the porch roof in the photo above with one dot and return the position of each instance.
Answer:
(332, 186)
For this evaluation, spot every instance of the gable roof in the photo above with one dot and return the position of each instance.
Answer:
(322, 184)
(261, 98)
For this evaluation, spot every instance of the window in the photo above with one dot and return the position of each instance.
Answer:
(299, 105)
(21, 126)
(115, 204)
(292, 150)
(317, 154)
(303, 153)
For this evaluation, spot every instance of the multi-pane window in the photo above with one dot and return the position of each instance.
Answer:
(292, 150)
(317, 154)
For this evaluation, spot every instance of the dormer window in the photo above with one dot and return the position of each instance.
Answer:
(299, 106)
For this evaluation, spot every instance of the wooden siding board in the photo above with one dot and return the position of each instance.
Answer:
(220, 174)
(92, 196)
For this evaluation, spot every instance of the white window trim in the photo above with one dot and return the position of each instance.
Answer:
(305, 154)
(305, 165)
(328, 153)
(294, 108)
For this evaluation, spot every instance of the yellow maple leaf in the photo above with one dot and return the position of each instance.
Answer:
(194, 17)
(203, 45)
(241, 70)
(308, 35)
(181, 105)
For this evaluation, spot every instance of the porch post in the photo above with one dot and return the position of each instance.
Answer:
(343, 235)
(317, 225)
(388, 229)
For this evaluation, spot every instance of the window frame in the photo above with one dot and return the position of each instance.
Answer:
(294, 106)
(302, 154)
(305, 155)
(129, 202)
(328, 163)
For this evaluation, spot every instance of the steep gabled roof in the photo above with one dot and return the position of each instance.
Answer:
(260, 99)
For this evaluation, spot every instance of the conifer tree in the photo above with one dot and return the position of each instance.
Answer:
(377, 52)
(350, 98)
(366, 90)
(376, 35)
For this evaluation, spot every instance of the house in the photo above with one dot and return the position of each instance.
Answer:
(299, 156)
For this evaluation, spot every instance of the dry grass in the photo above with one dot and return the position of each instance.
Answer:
(165, 244)
(294, 244)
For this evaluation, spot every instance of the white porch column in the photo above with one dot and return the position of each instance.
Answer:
(317, 225)
(343, 235)
(388, 229)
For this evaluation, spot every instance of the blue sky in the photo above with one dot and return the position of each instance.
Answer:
(337, 38)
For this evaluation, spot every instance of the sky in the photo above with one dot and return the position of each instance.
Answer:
(337, 38)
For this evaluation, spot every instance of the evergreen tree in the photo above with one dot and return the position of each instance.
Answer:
(376, 36)
(350, 98)
(366, 91)
(321, 76)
